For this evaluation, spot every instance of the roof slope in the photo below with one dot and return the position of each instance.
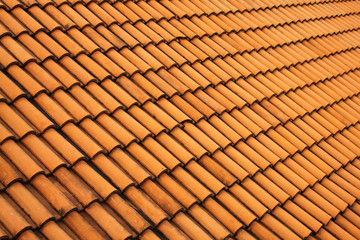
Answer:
(179, 119)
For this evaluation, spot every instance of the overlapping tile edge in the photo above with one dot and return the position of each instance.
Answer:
(181, 119)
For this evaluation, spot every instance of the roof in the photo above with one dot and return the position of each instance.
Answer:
(179, 119)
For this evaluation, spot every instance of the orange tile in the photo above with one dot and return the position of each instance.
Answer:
(80, 224)
(231, 165)
(171, 231)
(12, 23)
(277, 227)
(350, 188)
(158, 82)
(296, 226)
(113, 171)
(125, 37)
(244, 234)
(7, 59)
(44, 18)
(83, 140)
(149, 122)
(190, 227)
(323, 234)
(161, 197)
(338, 231)
(73, 15)
(54, 110)
(261, 231)
(131, 124)
(150, 209)
(10, 88)
(100, 66)
(189, 143)
(43, 152)
(9, 173)
(94, 179)
(174, 147)
(254, 117)
(222, 215)
(191, 183)
(54, 231)
(54, 47)
(215, 119)
(146, 159)
(127, 211)
(133, 89)
(252, 154)
(43, 77)
(201, 137)
(148, 235)
(264, 151)
(62, 146)
(241, 160)
(178, 191)
(11, 218)
(306, 170)
(173, 111)
(322, 202)
(218, 171)
(211, 224)
(205, 177)
(21, 53)
(118, 93)
(133, 31)
(347, 226)
(330, 196)
(83, 40)
(313, 209)
(33, 115)
(87, 100)
(213, 133)
(161, 153)
(148, 86)
(116, 129)
(276, 188)
(53, 195)
(25, 163)
(107, 40)
(131, 166)
(303, 216)
(249, 200)
(31, 204)
(348, 177)
(261, 194)
(350, 215)
(103, 97)
(59, 16)
(112, 226)
(68, 43)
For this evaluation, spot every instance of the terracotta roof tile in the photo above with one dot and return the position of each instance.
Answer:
(170, 230)
(249, 200)
(161, 153)
(211, 119)
(81, 225)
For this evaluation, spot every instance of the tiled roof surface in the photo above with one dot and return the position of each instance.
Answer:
(179, 119)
